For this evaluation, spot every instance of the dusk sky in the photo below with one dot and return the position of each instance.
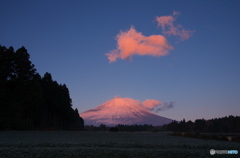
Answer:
(185, 53)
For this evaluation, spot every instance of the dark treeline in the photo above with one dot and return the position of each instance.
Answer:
(127, 128)
(29, 101)
(226, 124)
(134, 128)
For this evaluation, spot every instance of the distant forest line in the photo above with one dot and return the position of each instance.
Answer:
(29, 101)
(228, 124)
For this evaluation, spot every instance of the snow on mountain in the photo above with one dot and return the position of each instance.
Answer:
(122, 111)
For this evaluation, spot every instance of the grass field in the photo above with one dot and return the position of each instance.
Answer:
(46, 144)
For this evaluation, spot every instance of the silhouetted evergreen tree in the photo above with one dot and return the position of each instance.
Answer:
(189, 126)
(200, 125)
(173, 126)
(183, 126)
(28, 101)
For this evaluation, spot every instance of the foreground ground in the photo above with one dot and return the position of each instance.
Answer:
(106, 144)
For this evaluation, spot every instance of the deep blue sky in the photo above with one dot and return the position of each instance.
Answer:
(69, 39)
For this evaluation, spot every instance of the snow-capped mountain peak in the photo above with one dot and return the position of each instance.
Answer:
(122, 111)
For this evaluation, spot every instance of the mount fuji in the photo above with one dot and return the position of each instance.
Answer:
(122, 111)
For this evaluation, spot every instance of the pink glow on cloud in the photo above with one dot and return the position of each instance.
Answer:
(169, 28)
(150, 104)
(131, 43)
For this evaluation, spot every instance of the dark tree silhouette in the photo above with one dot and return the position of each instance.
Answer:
(29, 102)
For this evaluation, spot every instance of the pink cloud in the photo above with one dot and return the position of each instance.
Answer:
(150, 104)
(131, 43)
(169, 28)
(156, 105)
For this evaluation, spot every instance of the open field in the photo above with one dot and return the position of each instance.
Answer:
(106, 144)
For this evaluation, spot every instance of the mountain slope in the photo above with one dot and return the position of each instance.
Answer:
(122, 111)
